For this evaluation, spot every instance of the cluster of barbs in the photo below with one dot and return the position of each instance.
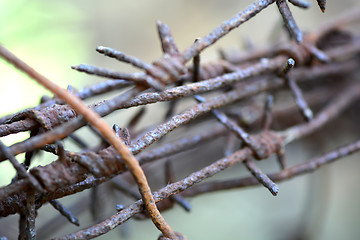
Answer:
(171, 67)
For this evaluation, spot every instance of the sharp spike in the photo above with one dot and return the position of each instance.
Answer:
(322, 4)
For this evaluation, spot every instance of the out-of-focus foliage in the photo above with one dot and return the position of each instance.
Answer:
(48, 35)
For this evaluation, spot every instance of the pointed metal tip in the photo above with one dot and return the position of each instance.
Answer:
(274, 190)
(75, 221)
(159, 23)
(323, 10)
(100, 48)
(79, 68)
(291, 62)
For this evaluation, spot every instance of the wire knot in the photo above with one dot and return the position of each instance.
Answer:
(167, 69)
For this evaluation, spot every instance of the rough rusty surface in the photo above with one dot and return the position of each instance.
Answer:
(319, 69)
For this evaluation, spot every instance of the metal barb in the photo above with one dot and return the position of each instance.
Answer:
(239, 132)
(170, 178)
(267, 119)
(289, 20)
(167, 41)
(301, 102)
(290, 64)
(102, 72)
(322, 4)
(261, 177)
(122, 57)
(30, 216)
(21, 171)
(65, 212)
(300, 3)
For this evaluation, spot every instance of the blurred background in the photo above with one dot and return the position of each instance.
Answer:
(53, 35)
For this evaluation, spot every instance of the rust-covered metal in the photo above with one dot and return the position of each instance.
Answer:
(319, 69)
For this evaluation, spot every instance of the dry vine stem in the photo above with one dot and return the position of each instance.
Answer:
(309, 58)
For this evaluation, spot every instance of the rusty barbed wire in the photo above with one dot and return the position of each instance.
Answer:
(320, 62)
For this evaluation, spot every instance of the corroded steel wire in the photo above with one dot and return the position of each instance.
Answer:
(226, 82)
